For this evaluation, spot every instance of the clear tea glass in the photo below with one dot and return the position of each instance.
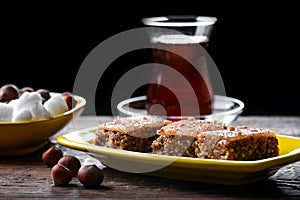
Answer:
(180, 84)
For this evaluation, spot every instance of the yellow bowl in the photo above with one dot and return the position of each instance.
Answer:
(19, 138)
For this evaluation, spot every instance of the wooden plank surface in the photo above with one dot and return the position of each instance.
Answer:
(27, 177)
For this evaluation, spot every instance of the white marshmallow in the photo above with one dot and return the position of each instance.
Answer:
(56, 105)
(22, 115)
(38, 111)
(6, 112)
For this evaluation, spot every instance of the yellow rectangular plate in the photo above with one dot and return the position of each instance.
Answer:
(183, 168)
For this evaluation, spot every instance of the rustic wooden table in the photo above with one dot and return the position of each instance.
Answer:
(27, 177)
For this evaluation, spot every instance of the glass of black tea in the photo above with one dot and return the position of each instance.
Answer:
(180, 84)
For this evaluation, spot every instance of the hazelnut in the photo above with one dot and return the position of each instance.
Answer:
(66, 94)
(9, 92)
(52, 156)
(71, 162)
(68, 97)
(26, 89)
(90, 176)
(61, 175)
(44, 93)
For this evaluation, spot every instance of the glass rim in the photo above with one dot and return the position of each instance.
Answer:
(164, 21)
(236, 110)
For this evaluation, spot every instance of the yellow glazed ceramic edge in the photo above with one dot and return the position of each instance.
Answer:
(23, 151)
(17, 136)
(289, 148)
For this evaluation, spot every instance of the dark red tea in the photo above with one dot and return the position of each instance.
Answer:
(180, 89)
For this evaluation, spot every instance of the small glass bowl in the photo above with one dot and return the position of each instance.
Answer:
(225, 109)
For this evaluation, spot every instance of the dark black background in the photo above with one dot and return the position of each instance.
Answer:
(254, 45)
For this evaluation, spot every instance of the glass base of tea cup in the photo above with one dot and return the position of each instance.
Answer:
(225, 109)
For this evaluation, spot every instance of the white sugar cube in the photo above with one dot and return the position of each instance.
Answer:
(38, 111)
(26, 100)
(56, 105)
(22, 115)
(6, 112)
(12, 102)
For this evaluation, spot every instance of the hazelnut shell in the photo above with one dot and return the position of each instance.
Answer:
(61, 175)
(51, 156)
(71, 162)
(90, 176)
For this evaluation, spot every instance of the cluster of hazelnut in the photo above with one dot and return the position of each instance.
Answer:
(27, 104)
(65, 167)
